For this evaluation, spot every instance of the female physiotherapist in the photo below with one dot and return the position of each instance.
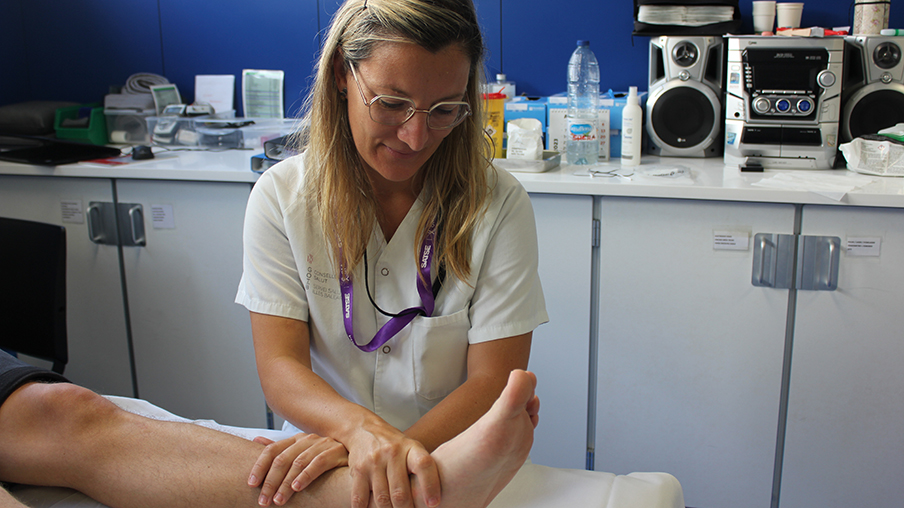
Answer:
(390, 270)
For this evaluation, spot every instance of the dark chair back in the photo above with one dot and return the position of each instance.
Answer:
(33, 290)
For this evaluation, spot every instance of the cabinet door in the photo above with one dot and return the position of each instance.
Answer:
(690, 352)
(559, 351)
(95, 319)
(193, 348)
(844, 444)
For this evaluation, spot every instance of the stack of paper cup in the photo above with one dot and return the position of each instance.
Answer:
(763, 15)
(788, 14)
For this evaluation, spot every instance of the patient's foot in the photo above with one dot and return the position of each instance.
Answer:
(479, 462)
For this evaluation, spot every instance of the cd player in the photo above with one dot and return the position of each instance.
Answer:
(783, 101)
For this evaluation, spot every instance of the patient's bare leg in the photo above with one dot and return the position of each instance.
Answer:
(64, 435)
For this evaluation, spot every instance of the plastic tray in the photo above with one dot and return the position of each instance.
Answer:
(549, 161)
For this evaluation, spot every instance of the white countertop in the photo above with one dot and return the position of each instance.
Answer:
(703, 179)
(198, 165)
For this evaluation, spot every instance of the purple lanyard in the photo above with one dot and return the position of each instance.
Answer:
(400, 320)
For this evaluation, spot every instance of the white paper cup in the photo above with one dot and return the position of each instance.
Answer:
(763, 7)
(788, 14)
(763, 22)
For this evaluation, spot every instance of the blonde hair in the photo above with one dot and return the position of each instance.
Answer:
(455, 177)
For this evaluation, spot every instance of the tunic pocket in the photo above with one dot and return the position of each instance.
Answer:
(440, 346)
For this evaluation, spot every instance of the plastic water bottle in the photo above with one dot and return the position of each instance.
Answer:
(582, 144)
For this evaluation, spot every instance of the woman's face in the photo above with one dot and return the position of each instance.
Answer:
(393, 155)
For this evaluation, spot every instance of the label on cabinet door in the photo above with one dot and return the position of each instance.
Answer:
(72, 212)
(863, 246)
(731, 240)
(162, 217)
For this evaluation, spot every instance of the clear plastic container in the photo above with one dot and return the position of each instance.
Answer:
(582, 119)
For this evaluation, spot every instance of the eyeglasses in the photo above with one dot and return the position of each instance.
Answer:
(391, 110)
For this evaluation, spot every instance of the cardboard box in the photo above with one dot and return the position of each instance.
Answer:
(609, 125)
(526, 107)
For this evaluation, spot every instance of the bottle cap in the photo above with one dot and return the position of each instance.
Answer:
(583, 42)
(500, 77)
(632, 95)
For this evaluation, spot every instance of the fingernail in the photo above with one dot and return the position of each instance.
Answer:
(296, 486)
(433, 501)
(263, 501)
(278, 499)
(252, 480)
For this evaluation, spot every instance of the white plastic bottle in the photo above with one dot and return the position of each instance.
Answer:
(582, 144)
(631, 130)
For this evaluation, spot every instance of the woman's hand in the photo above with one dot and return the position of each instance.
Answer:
(288, 466)
(380, 460)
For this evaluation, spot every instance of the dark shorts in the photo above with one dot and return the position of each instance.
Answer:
(14, 373)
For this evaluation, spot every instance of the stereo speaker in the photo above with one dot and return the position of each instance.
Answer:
(684, 104)
(872, 85)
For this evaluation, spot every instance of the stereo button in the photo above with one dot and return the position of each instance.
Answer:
(783, 105)
(761, 105)
(804, 105)
(826, 79)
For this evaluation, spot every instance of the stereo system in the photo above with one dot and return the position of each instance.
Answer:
(684, 103)
(780, 102)
(873, 95)
(783, 101)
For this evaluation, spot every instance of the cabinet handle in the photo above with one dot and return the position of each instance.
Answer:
(773, 260)
(136, 218)
(94, 212)
(761, 279)
(817, 266)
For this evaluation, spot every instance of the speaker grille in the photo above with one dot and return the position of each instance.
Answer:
(876, 111)
(683, 117)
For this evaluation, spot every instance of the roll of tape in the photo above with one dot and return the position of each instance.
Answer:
(118, 137)
(870, 16)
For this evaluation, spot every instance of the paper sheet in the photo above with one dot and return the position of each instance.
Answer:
(262, 93)
(216, 90)
(834, 187)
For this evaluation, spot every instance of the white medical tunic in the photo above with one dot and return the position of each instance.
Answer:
(288, 272)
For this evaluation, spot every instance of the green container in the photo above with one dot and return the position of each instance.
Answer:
(95, 132)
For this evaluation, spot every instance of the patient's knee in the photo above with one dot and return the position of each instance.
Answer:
(66, 407)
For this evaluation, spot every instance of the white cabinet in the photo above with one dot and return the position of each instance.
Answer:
(560, 348)
(690, 352)
(171, 298)
(193, 350)
(98, 343)
(844, 444)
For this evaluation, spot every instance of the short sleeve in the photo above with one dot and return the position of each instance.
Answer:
(271, 283)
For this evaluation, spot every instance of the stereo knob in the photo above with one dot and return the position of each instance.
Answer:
(826, 79)
(804, 105)
(783, 105)
(761, 105)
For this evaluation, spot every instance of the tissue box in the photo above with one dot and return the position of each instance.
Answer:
(557, 108)
(612, 102)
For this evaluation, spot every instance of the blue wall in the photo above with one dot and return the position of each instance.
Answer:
(76, 50)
